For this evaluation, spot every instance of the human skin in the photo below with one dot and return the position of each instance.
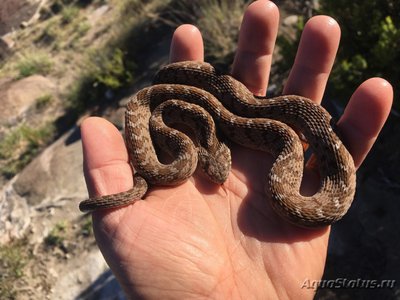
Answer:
(199, 240)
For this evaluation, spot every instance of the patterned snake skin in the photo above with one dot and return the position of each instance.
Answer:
(208, 104)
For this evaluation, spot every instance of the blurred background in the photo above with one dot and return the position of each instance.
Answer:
(63, 60)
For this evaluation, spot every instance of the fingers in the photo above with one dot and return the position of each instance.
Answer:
(369, 106)
(256, 43)
(314, 59)
(105, 157)
(365, 116)
(186, 44)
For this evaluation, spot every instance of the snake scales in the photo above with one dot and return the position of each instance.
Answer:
(193, 94)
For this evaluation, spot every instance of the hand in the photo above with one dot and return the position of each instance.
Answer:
(199, 240)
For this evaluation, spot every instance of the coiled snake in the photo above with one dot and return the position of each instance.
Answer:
(193, 94)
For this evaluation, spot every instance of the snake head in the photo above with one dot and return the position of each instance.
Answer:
(216, 166)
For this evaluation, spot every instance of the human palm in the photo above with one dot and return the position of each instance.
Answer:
(203, 240)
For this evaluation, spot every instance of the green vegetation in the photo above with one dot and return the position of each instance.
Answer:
(13, 258)
(369, 43)
(50, 32)
(63, 30)
(109, 69)
(87, 227)
(220, 32)
(81, 28)
(33, 62)
(369, 48)
(114, 66)
(69, 13)
(57, 235)
(43, 101)
(20, 145)
(104, 71)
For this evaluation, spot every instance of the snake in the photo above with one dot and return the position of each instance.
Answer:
(191, 114)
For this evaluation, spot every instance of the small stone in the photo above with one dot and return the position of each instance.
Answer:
(24, 24)
(290, 20)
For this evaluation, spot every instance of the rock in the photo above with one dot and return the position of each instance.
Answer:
(85, 275)
(24, 24)
(53, 180)
(15, 216)
(46, 194)
(55, 175)
(17, 97)
(6, 45)
(14, 12)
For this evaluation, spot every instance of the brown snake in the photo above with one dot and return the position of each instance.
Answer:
(193, 94)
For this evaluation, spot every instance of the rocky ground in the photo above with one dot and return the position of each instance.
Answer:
(44, 237)
(41, 203)
(14, 13)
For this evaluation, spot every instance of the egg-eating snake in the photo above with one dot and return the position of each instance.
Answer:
(213, 105)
